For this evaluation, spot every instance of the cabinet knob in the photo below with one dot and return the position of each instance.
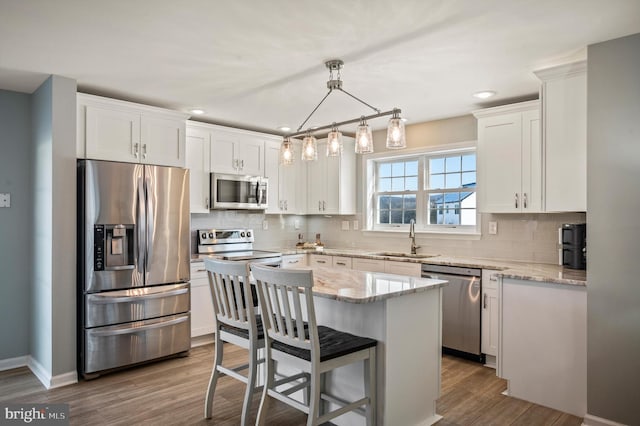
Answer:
(135, 149)
(524, 200)
(516, 200)
(144, 150)
(484, 301)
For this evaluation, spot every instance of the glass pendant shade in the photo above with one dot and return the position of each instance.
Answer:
(286, 152)
(334, 143)
(309, 148)
(364, 139)
(395, 133)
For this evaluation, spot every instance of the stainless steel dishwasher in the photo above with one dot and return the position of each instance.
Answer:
(461, 310)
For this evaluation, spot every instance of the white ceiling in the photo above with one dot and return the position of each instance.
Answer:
(260, 64)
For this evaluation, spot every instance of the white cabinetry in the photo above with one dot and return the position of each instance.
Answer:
(543, 343)
(114, 130)
(403, 268)
(294, 260)
(287, 183)
(320, 260)
(489, 333)
(510, 158)
(371, 265)
(341, 262)
(237, 151)
(202, 317)
(564, 120)
(198, 162)
(331, 181)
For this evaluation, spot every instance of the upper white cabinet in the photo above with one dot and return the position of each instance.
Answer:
(564, 123)
(198, 162)
(510, 158)
(212, 148)
(331, 181)
(110, 129)
(287, 183)
(237, 151)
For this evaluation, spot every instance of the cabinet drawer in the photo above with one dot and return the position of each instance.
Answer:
(403, 268)
(370, 265)
(320, 260)
(341, 262)
(294, 261)
(489, 279)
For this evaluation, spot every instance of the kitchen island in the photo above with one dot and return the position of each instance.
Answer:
(404, 315)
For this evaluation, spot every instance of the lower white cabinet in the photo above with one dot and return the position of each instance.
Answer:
(489, 318)
(403, 268)
(202, 318)
(320, 260)
(370, 265)
(294, 260)
(341, 262)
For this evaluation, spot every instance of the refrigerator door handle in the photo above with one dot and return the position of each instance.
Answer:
(141, 220)
(148, 189)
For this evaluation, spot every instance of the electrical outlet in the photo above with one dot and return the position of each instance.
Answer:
(345, 225)
(296, 224)
(493, 228)
(265, 225)
(356, 225)
(5, 200)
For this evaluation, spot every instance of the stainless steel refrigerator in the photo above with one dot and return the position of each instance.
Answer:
(133, 264)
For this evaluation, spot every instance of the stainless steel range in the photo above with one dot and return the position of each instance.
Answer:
(234, 244)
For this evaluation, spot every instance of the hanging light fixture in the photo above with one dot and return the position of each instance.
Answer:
(286, 152)
(309, 148)
(334, 142)
(395, 133)
(364, 139)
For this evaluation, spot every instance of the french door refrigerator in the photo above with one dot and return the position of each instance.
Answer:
(133, 264)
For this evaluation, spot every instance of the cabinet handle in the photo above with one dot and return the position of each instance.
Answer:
(291, 262)
(324, 205)
(144, 150)
(484, 301)
(341, 263)
(319, 206)
(322, 261)
(286, 205)
(516, 200)
(135, 149)
(524, 200)
(493, 278)
(206, 202)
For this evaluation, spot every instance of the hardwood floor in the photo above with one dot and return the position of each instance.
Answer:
(172, 392)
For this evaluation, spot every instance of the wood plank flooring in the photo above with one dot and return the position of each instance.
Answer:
(172, 392)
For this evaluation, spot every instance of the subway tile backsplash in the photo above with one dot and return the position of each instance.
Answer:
(530, 237)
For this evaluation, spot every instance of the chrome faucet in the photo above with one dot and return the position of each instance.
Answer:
(412, 235)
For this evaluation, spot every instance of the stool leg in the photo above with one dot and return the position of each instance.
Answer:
(314, 405)
(370, 387)
(268, 383)
(217, 360)
(251, 383)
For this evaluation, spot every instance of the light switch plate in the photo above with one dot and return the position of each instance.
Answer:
(296, 224)
(5, 200)
(345, 225)
(265, 225)
(493, 228)
(356, 225)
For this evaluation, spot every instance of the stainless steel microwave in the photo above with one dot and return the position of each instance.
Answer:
(238, 192)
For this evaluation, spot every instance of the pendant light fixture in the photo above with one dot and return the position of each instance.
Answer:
(286, 152)
(364, 138)
(309, 148)
(395, 133)
(334, 142)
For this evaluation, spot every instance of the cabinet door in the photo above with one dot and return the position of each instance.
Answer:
(403, 268)
(250, 155)
(202, 317)
(112, 134)
(565, 124)
(490, 326)
(332, 178)
(163, 141)
(198, 147)
(317, 185)
(531, 195)
(272, 171)
(370, 265)
(500, 163)
(223, 152)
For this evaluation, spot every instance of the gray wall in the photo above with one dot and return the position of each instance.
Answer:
(613, 173)
(53, 253)
(15, 265)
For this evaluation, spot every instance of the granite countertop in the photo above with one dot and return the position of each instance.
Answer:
(506, 268)
(349, 285)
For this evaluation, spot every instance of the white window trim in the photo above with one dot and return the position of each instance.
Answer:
(438, 231)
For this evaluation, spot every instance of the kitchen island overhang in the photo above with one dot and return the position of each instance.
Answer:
(404, 314)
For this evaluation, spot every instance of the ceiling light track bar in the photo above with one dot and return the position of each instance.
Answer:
(342, 123)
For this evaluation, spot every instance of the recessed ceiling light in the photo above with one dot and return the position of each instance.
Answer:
(484, 94)
(197, 111)
(284, 128)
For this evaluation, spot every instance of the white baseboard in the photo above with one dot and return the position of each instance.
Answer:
(11, 363)
(590, 420)
(51, 382)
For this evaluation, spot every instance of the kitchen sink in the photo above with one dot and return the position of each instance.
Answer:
(399, 254)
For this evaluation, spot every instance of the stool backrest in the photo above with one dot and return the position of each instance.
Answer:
(286, 303)
(231, 293)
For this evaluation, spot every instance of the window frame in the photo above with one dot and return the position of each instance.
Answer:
(423, 154)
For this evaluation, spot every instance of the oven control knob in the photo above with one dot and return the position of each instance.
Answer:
(204, 235)
(249, 234)
(211, 235)
(242, 234)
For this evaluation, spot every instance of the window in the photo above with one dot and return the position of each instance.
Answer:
(437, 190)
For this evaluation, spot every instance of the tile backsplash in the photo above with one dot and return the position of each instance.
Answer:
(520, 237)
